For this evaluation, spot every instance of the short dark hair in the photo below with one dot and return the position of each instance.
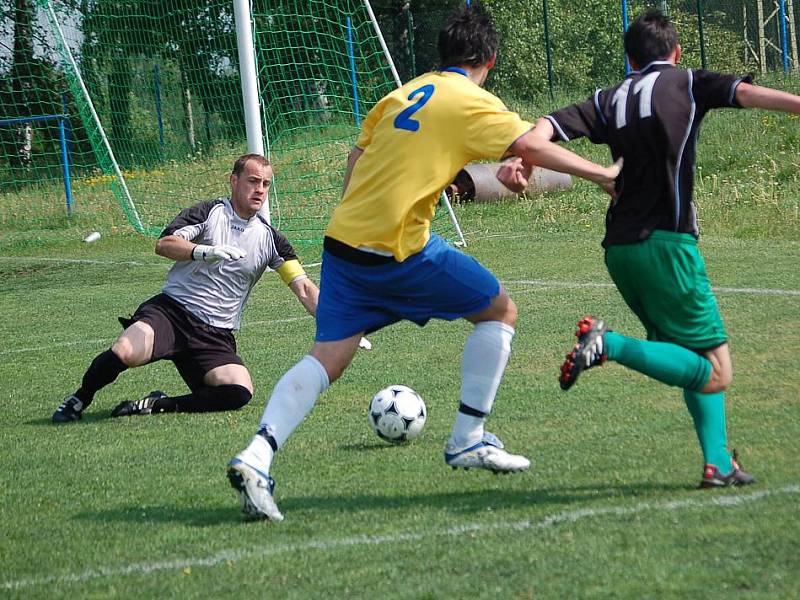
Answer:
(467, 37)
(242, 161)
(652, 36)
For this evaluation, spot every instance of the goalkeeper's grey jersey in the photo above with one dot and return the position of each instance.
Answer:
(216, 292)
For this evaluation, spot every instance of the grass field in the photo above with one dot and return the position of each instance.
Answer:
(140, 507)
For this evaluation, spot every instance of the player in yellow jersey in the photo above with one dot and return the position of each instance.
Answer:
(381, 264)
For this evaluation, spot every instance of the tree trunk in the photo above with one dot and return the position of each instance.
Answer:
(119, 103)
(21, 83)
(188, 112)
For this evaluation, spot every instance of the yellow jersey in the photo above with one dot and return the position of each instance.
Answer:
(415, 140)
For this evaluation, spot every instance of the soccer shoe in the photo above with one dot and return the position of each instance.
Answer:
(712, 478)
(71, 409)
(254, 490)
(138, 407)
(588, 352)
(486, 454)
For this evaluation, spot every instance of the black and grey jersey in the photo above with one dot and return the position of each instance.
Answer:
(216, 292)
(651, 119)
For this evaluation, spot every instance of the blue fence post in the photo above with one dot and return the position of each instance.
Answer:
(157, 89)
(351, 54)
(65, 163)
(62, 141)
(784, 37)
(68, 124)
(624, 31)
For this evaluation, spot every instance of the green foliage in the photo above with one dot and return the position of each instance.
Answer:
(586, 44)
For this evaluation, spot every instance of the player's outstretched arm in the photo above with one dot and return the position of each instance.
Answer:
(755, 96)
(307, 293)
(534, 148)
(352, 157)
(176, 248)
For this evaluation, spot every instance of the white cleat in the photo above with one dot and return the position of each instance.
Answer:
(486, 454)
(254, 490)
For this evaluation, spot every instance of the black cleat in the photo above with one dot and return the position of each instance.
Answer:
(138, 407)
(712, 478)
(71, 409)
(588, 352)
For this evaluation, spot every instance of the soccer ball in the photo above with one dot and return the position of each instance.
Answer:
(397, 414)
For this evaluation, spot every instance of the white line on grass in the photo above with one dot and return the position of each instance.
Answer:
(110, 340)
(577, 285)
(325, 545)
(86, 261)
(89, 261)
(533, 282)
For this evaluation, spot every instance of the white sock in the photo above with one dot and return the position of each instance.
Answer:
(292, 399)
(482, 366)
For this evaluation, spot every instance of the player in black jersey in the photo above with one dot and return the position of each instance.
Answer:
(651, 120)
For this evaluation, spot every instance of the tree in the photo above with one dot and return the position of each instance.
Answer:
(21, 78)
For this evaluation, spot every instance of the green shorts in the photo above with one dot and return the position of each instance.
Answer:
(663, 279)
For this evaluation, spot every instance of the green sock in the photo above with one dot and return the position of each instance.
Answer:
(708, 413)
(664, 362)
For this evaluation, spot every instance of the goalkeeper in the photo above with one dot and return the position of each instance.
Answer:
(220, 248)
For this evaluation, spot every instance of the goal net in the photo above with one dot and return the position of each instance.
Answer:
(149, 94)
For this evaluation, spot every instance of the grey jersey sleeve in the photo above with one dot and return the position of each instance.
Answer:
(190, 222)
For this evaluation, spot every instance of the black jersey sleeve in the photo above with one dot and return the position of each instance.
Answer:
(190, 222)
(584, 119)
(715, 90)
(284, 249)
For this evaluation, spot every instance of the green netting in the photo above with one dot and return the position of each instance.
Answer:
(156, 85)
(316, 61)
(149, 93)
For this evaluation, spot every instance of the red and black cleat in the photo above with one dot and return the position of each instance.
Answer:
(588, 352)
(712, 478)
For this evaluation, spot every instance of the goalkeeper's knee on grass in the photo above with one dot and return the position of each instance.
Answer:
(214, 399)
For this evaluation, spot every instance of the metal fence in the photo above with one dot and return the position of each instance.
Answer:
(571, 46)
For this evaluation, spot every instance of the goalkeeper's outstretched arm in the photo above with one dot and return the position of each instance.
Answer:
(307, 291)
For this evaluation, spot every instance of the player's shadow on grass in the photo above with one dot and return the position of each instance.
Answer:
(553, 500)
(193, 516)
(474, 502)
(48, 421)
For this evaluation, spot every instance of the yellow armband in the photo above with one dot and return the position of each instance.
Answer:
(290, 270)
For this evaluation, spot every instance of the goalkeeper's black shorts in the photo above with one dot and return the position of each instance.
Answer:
(192, 345)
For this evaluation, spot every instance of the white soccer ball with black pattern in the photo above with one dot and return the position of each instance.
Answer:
(397, 414)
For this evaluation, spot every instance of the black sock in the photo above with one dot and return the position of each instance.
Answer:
(104, 369)
(206, 399)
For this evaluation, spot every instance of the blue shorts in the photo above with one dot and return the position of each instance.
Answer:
(439, 282)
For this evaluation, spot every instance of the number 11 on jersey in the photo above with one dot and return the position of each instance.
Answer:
(644, 87)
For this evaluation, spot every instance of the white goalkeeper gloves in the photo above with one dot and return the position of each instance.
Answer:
(217, 253)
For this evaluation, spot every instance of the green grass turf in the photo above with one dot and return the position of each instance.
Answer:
(140, 507)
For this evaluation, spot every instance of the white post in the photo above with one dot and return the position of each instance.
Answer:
(85, 92)
(377, 28)
(247, 72)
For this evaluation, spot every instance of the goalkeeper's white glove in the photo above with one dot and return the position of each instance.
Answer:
(365, 344)
(216, 253)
